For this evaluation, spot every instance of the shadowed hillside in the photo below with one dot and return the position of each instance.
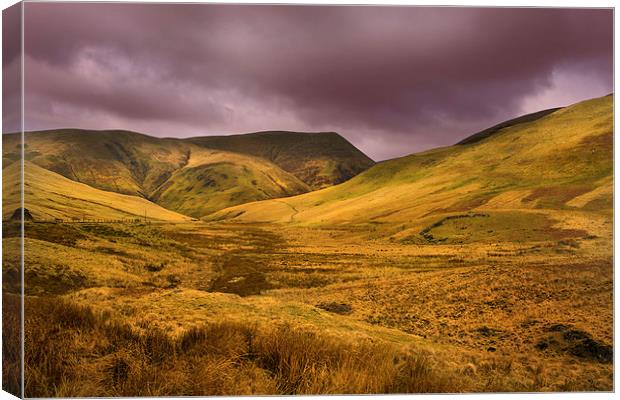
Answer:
(561, 161)
(319, 159)
(476, 137)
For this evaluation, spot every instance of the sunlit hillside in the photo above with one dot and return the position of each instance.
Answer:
(214, 179)
(48, 195)
(117, 161)
(562, 161)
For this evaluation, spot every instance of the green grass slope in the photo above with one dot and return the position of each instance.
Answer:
(214, 179)
(48, 195)
(319, 159)
(561, 161)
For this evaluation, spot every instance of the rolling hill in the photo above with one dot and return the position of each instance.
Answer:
(558, 161)
(186, 175)
(48, 195)
(213, 178)
(319, 159)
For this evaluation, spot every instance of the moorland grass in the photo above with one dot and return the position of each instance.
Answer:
(72, 350)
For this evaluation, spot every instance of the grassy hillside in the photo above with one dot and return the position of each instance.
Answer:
(48, 195)
(561, 161)
(213, 179)
(185, 175)
(319, 159)
(179, 175)
(118, 161)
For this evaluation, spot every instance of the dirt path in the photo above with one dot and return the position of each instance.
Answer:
(292, 207)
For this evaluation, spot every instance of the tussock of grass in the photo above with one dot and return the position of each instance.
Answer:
(73, 351)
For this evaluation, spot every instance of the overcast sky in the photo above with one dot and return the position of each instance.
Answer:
(392, 80)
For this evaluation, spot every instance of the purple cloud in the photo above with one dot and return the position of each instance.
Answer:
(393, 80)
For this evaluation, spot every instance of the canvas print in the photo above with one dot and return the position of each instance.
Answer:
(221, 199)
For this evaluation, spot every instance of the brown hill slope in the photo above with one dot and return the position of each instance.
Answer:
(118, 161)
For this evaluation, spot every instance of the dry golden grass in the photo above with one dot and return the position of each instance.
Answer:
(413, 276)
(72, 351)
(477, 310)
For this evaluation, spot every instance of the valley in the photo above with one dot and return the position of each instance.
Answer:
(484, 317)
(480, 267)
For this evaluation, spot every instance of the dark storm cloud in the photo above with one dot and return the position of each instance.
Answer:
(393, 80)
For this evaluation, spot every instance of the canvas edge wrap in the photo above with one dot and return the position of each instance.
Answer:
(13, 214)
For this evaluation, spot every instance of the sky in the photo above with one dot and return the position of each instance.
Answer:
(392, 80)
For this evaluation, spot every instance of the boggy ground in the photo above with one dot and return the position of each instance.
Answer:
(476, 306)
